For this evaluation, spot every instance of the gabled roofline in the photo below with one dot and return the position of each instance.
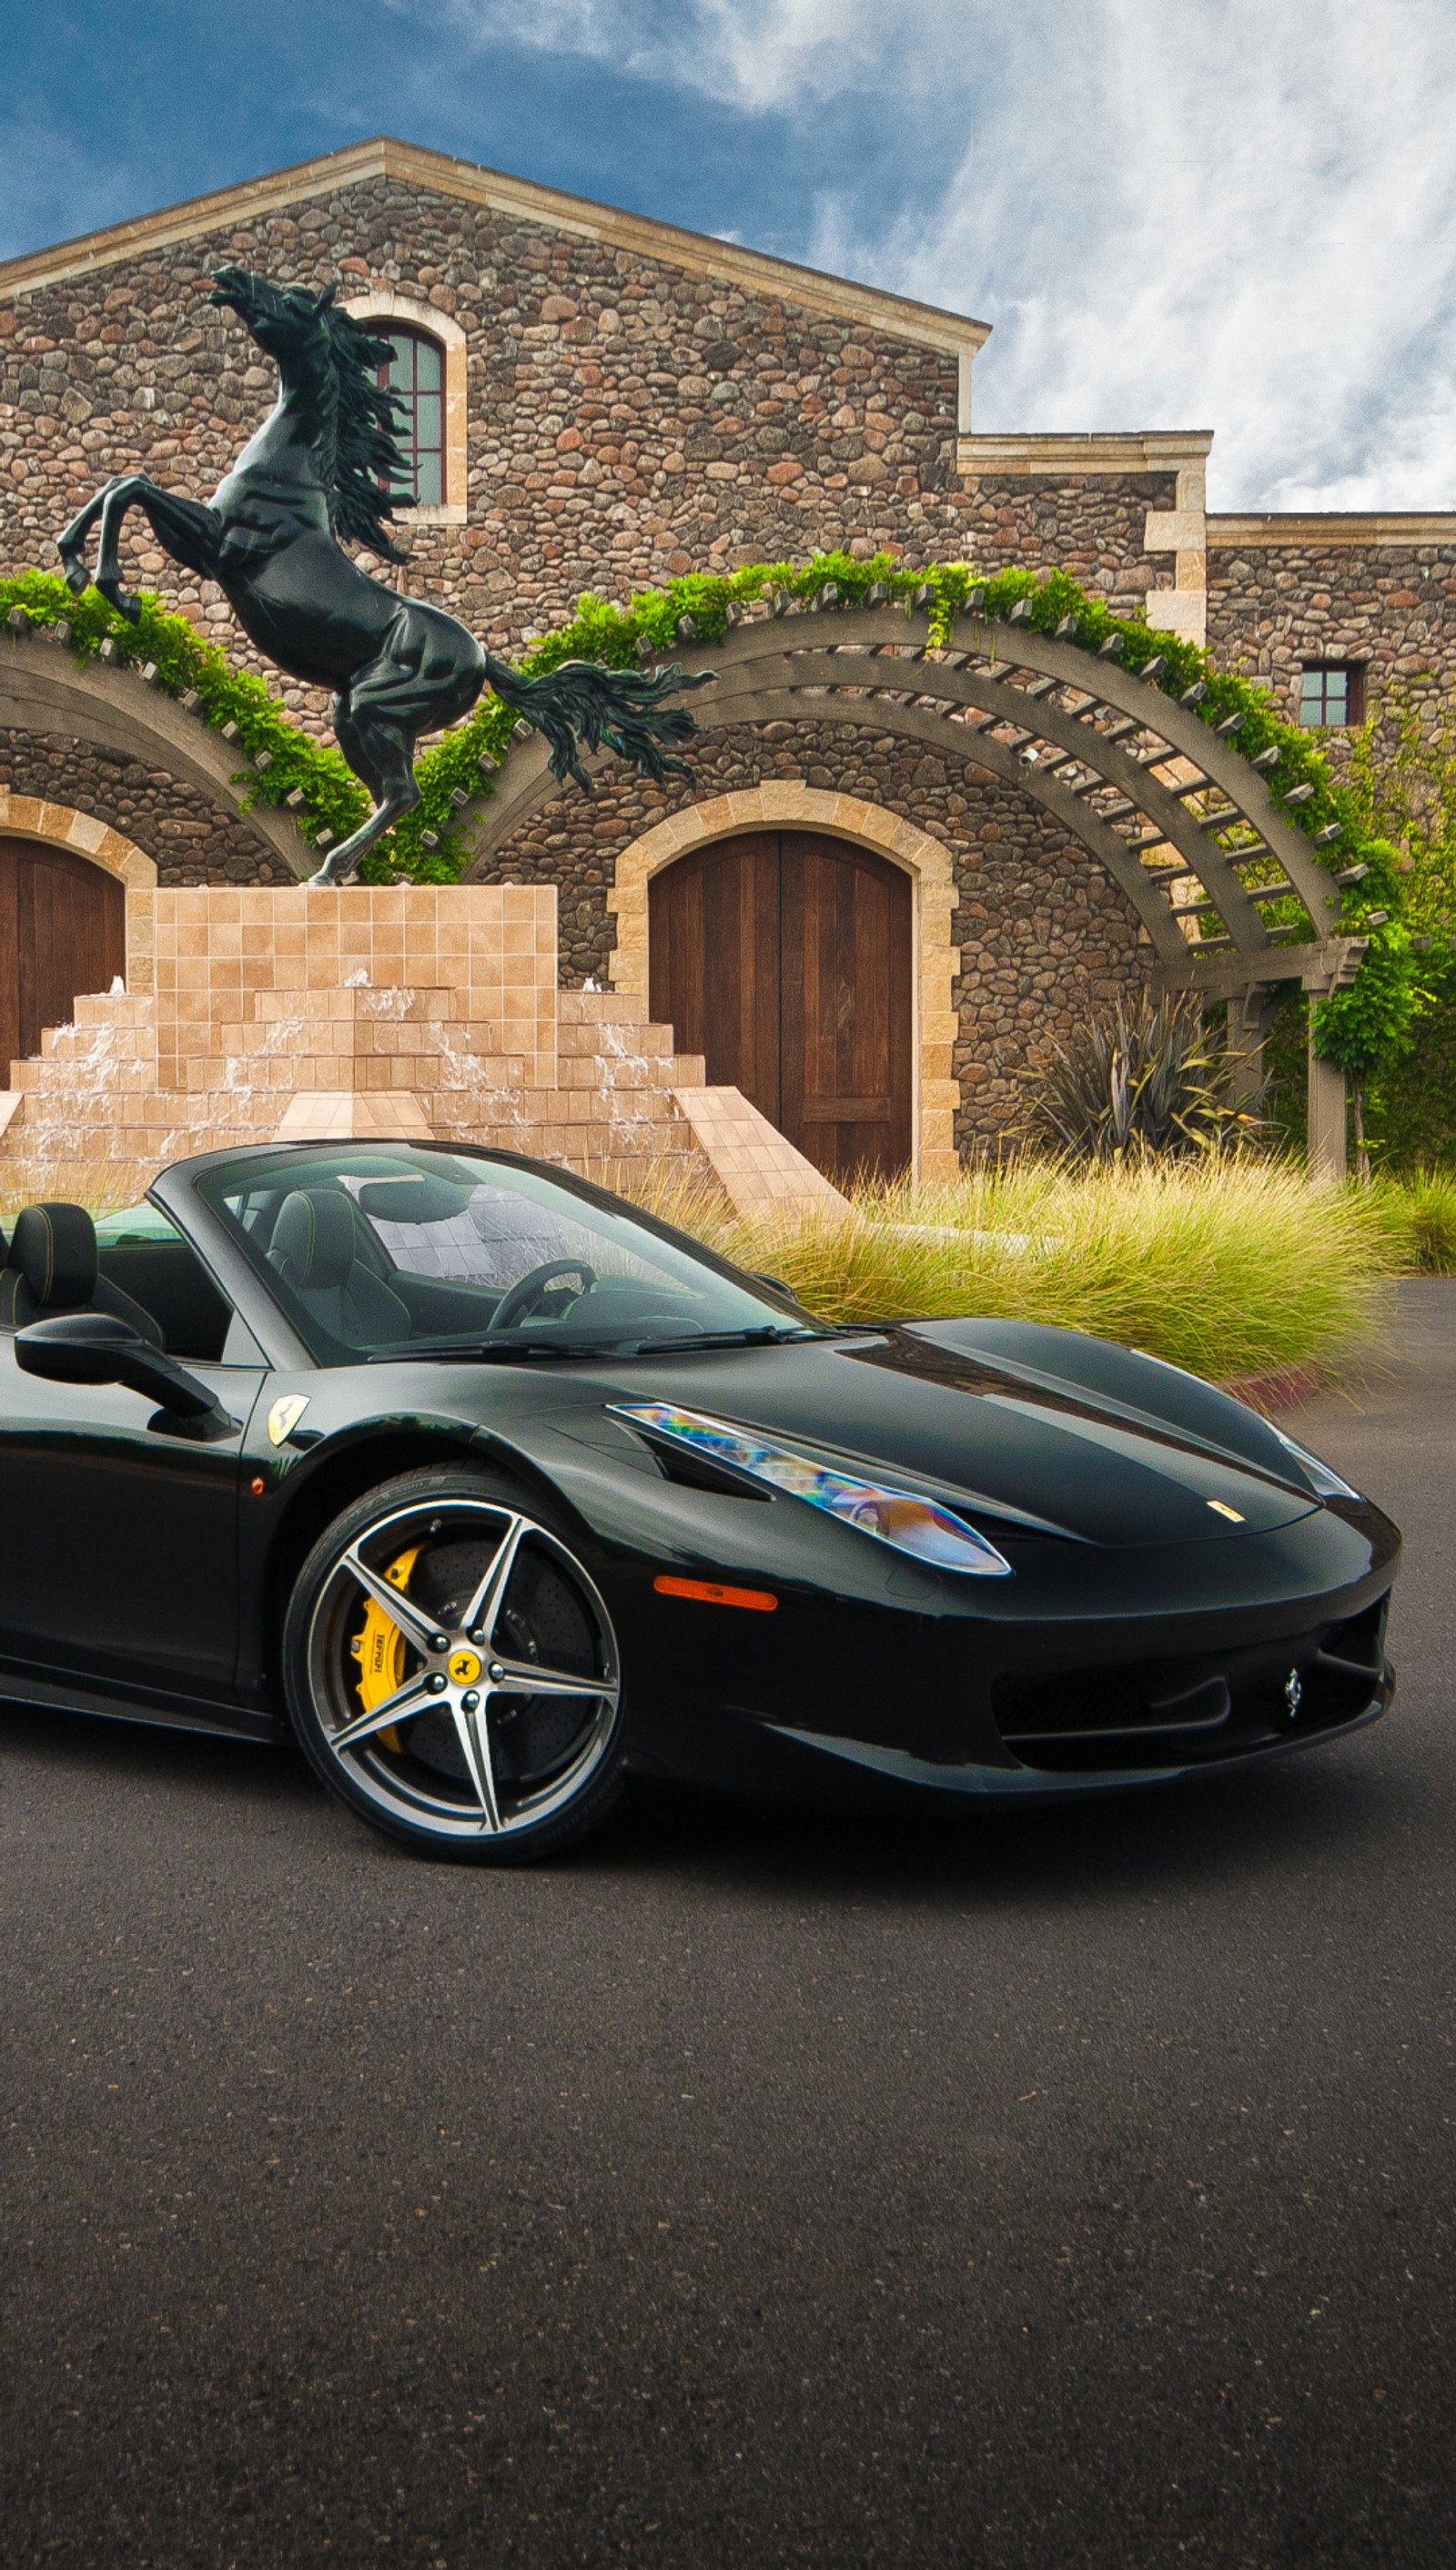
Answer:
(383, 156)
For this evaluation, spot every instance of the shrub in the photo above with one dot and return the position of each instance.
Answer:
(1149, 1083)
(104, 1185)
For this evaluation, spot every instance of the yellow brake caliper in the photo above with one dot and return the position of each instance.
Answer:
(378, 1647)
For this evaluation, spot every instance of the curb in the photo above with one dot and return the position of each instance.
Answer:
(1268, 1393)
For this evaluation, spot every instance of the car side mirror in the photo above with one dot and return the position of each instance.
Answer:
(97, 1347)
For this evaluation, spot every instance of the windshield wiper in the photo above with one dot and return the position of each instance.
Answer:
(513, 1350)
(768, 1337)
(495, 1350)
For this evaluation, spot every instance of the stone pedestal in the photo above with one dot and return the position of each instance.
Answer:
(404, 1011)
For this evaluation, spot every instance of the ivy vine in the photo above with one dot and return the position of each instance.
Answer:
(1369, 1024)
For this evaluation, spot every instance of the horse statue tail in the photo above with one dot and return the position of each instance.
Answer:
(624, 710)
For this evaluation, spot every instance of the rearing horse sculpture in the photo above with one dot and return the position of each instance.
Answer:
(324, 466)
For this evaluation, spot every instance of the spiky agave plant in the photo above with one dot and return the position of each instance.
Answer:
(1149, 1083)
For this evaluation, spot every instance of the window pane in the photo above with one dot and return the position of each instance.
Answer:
(1327, 696)
(416, 374)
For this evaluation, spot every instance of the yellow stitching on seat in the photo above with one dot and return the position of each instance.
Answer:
(44, 1212)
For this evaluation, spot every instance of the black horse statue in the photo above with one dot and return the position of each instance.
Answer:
(322, 467)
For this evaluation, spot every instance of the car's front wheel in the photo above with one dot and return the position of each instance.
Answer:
(453, 1673)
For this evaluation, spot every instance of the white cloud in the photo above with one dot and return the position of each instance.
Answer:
(1223, 217)
(755, 53)
(1215, 214)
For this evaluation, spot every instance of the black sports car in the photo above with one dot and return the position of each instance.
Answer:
(490, 1487)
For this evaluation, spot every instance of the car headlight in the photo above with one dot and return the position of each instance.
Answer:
(1326, 1480)
(919, 1527)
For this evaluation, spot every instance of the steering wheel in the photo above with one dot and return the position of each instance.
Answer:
(527, 1295)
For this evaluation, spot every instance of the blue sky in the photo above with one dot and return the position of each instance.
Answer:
(1227, 213)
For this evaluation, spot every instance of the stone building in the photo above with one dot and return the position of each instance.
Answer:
(602, 401)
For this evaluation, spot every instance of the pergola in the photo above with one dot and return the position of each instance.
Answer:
(1159, 798)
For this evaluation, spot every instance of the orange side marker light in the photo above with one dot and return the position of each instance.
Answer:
(711, 1592)
(258, 1486)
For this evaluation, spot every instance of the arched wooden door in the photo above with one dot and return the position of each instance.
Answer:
(63, 929)
(783, 956)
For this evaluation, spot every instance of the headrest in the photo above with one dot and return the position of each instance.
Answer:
(55, 1249)
(315, 1242)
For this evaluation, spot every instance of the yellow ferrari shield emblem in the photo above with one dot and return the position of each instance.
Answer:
(284, 1416)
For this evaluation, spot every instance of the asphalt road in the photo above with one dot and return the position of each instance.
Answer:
(1058, 2190)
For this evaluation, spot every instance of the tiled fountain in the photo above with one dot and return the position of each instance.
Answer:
(406, 1010)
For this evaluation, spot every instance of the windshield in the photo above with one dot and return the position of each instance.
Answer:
(404, 1249)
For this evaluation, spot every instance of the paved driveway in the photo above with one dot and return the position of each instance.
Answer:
(1068, 2190)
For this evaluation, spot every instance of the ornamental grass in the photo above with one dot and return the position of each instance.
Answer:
(1232, 1268)
(1420, 1212)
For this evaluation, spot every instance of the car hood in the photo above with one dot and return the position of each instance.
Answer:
(1034, 1428)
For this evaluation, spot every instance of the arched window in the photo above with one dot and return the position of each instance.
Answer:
(417, 373)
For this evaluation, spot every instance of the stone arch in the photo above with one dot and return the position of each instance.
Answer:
(58, 825)
(780, 804)
(43, 690)
(381, 304)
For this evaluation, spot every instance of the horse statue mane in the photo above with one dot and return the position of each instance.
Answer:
(361, 464)
(366, 464)
(324, 470)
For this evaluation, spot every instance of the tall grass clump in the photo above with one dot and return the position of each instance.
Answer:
(1229, 1267)
(1419, 1215)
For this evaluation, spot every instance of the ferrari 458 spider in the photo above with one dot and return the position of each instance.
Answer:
(489, 1489)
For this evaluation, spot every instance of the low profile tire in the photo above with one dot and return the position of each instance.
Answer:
(453, 1673)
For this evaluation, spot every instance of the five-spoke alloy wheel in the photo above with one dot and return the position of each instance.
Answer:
(452, 1671)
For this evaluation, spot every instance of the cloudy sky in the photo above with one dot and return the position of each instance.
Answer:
(1238, 215)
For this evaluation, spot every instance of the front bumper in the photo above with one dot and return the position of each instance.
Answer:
(1198, 1666)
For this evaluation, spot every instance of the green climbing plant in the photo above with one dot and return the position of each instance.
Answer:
(287, 764)
(1371, 1026)
(284, 760)
(1401, 782)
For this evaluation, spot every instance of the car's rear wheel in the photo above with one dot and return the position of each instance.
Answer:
(453, 1673)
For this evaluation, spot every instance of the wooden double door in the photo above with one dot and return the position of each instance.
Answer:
(63, 929)
(785, 957)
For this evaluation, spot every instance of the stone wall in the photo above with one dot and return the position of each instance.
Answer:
(190, 839)
(1090, 525)
(1043, 934)
(1275, 607)
(627, 419)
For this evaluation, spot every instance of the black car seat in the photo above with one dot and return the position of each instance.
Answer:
(315, 1250)
(53, 1268)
